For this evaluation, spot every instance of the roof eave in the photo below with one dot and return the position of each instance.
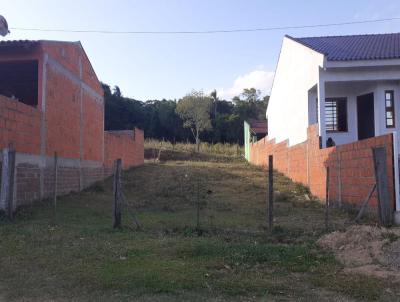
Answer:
(362, 63)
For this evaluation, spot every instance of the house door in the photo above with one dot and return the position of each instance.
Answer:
(365, 116)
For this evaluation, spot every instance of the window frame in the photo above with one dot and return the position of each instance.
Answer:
(337, 100)
(390, 109)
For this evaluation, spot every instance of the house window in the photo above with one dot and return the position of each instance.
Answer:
(336, 114)
(389, 108)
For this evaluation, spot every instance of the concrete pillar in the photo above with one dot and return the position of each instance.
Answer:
(43, 126)
(321, 110)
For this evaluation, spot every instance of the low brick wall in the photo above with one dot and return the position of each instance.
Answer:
(19, 125)
(351, 166)
(127, 145)
(35, 181)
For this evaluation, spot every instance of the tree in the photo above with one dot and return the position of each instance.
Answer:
(249, 95)
(160, 120)
(214, 97)
(194, 110)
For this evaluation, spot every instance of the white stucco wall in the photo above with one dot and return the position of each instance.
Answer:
(380, 122)
(302, 74)
(351, 90)
(296, 73)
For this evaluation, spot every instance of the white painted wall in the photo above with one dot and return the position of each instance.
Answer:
(302, 74)
(296, 74)
(312, 106)
(351, 90)
(379, 95)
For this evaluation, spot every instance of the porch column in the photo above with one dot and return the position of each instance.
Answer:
(321, 111)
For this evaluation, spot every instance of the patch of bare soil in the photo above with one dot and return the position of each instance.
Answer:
(366, 250)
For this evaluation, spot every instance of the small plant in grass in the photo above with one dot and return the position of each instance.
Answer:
(391, 237)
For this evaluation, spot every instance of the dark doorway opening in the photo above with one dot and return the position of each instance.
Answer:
(365, 116)
(19, 81)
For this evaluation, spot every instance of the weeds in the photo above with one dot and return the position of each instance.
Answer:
(215, 149)
(229, 256)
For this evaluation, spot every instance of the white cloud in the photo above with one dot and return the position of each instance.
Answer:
(259, 79)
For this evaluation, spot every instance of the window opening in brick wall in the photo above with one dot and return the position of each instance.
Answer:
(19, 81)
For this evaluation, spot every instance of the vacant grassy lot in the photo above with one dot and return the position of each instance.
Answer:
(231, 257)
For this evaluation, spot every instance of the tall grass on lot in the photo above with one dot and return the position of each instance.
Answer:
(218, 148)
(233, 258)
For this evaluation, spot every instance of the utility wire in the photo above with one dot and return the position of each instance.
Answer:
(218, 31)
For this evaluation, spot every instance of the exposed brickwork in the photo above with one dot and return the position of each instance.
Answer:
(19, 126)
(127, 145)
(68, 119)
(93, 129)
(351, 166)
(62, 115)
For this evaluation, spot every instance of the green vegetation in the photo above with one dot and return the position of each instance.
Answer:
(226, 149)
(194, 110)
(160, 120)
(231, 257)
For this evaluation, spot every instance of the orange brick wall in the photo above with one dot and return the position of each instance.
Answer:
(69, 55)
(127, 145)
(69, 120)
(62, 115)
(351, 165)
(93, 128)
(19, 126)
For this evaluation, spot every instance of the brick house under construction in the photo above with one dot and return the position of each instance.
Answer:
(51, 101)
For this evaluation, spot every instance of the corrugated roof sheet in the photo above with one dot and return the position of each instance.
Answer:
(355, 47)
(17, 45)
(17, 42)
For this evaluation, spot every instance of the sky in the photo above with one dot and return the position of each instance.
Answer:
(148, 67)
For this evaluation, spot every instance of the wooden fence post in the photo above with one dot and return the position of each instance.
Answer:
(55, 184)
(4, 180)
(327, 200)
(365, 204)
(382, 186)
(7, 182)
(117, 194)
(270, 191)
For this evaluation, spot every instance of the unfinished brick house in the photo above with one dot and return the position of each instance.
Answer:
(51, 101)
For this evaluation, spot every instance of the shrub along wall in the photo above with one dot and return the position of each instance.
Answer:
(351, 166)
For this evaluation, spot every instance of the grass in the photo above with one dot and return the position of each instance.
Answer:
(226, 149)
(231, 257)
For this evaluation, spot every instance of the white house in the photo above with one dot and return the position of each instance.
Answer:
(349, 83)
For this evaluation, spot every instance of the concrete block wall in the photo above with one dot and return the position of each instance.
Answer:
(351, 166)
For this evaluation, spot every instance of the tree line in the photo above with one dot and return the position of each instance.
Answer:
(173, 120)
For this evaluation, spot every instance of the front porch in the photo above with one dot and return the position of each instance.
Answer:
(354, 110)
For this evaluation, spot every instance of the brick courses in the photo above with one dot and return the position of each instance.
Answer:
(68, 119)
(351, 165)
